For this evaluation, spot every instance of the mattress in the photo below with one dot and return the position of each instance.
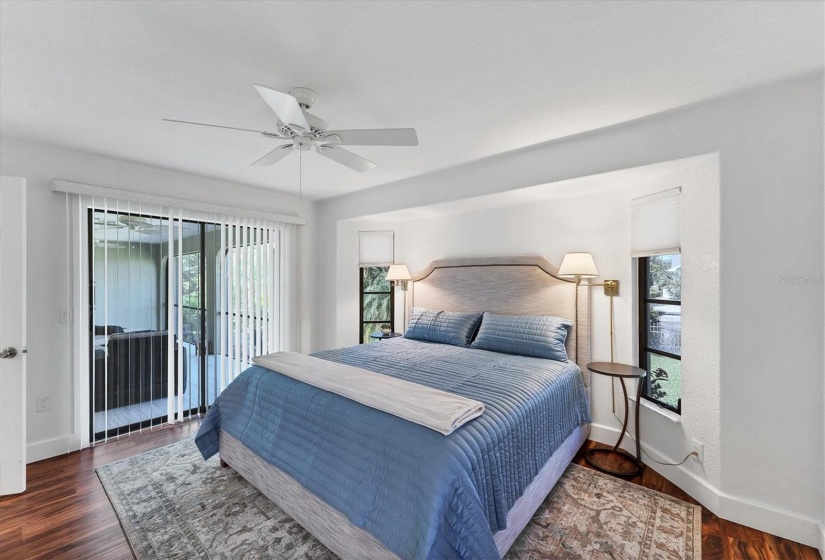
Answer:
(421, 494)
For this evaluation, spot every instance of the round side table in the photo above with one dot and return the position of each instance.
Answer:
(378, 335)
(621, 371)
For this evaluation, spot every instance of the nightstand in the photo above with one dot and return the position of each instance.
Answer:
(378, 335)
(622, 372)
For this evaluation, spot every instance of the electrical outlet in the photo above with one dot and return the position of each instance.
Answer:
(44, 403)
(699, 451)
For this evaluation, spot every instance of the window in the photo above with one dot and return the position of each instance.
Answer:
(660, 329)
(376, 251)
(377, 307)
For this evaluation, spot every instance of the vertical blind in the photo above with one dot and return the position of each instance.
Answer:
(376, 248)
(179, 302)
(654, 224)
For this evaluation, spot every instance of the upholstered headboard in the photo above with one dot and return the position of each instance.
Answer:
(525, 285)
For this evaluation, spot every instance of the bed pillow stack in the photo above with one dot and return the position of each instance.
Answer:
(538, 336)
(444, 327)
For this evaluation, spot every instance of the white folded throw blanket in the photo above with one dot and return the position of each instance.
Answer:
(438, 410)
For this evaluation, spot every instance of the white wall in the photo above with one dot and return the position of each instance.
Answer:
(555, 223)
(48, 361)
(770, 147)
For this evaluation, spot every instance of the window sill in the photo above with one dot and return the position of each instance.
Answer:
(669, 414)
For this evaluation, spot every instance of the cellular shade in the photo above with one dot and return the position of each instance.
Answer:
(376, 248)
(654, 224)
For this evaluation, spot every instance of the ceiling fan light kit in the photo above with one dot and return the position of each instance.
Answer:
(304, 131)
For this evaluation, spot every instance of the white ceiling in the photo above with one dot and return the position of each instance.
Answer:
(474, 78)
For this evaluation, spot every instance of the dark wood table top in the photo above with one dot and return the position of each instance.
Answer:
(616, 370)
(381, 336)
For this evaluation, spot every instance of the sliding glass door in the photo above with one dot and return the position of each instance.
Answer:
(129, 346)
(175, 302)
(193, 292)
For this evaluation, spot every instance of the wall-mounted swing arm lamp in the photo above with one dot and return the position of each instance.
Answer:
(399, 275)
(580, 265)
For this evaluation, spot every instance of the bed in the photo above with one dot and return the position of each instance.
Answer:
(371, 485)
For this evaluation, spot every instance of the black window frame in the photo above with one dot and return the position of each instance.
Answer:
(644, 347)
(361, 293)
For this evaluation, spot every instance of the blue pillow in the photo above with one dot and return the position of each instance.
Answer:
(539, 336)
(444, 327)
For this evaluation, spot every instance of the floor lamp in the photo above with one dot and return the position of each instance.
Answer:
(399, 275)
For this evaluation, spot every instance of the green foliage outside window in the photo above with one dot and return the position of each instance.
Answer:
(665, 278)
(191, 290)
(665, 380)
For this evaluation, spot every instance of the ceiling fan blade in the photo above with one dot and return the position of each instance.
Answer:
(285, 106)
(275, 155)
(374, 137)
(220, 126)
(345, 157)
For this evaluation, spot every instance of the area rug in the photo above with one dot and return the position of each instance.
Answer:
(173, 504)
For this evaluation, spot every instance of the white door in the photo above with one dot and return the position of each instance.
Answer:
(12, 335)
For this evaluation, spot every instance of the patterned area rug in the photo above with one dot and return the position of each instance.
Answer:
(172, 504)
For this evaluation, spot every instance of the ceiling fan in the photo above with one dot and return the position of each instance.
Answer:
(100, 223)
(141, 225)
(304, 131)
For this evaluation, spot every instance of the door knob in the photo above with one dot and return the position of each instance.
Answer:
(8, 352)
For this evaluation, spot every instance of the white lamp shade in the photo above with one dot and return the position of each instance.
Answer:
(398, 272)
(579, 265)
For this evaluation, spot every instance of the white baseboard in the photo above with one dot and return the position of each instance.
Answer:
(53, 447)
(822, 540)
(764, 517)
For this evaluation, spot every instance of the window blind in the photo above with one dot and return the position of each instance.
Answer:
(376, 248)
(173, 305)
(654, 224)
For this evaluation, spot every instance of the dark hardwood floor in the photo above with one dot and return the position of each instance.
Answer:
(65, 513)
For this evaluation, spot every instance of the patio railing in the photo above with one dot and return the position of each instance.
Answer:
(663, 337)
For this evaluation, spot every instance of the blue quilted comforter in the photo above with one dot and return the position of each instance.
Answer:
(422, 494)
